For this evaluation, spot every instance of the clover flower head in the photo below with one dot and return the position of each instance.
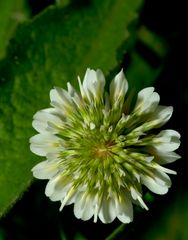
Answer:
(100, 150)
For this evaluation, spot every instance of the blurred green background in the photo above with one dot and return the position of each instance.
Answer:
(152, 48)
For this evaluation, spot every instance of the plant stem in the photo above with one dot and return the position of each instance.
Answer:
(116, 232)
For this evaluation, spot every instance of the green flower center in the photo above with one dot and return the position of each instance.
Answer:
(102, 151)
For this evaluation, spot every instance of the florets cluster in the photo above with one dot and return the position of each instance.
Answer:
(99, 151)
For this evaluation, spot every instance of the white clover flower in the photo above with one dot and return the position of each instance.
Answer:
(99, 151)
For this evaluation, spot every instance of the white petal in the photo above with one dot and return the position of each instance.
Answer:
(84, 206)
(166, 157)
(62, 100)
(55, 97)
(124, 210)
(107, 211)
(167, 140)
(159, 184)
(169, 133)
(41, 119)
(134, 193)
(75, 96)
(147, 101)
(138, 196)
(93, 84)
(118, 87)
(51, 185)
(45, 170)
(142, 203)
(70, 200)
(162, 114)
(71, 90)
(52, 156)
(156, 119)
(58, 187)
(42, 144)
(64, 95)
(166, 170)
(82, 90)
(78, 102)
(79, 205)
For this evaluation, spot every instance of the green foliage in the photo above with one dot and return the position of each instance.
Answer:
(62, 2)
(172, 224)
(153, 41)
(50, 50)
(140, 73)
(11, 13)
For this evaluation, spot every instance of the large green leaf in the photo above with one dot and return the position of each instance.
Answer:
(51, 50)
(11, 13)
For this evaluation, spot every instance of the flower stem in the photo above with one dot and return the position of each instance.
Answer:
(116, 232)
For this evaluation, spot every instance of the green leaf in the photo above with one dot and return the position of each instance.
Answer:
(79, 236)
(147, 59)
(11, 13)
(52, 49)
(153, 41)
(62, 2)
(140, 73)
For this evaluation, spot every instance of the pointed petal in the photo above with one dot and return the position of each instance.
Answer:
(42, 144)
(54, 96)
(46, 169)
(158, 184)
(167, 140)
(147, 101)
(161, 115)
(166, 157)
(93, 84)
(41, 119)
(142, 203)
(118, 87)
(58, 187)
(166, 170)
(71, 90)
(62, 101)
